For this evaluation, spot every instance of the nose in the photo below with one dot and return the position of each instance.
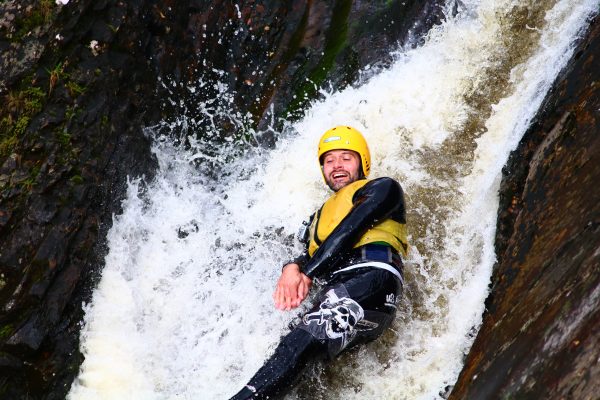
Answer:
(337, 163)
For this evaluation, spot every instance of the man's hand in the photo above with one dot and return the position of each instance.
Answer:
(292, 288)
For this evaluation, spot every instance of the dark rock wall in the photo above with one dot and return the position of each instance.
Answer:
(77, 85)
(541, 328)
(82, 111)
(275, 56)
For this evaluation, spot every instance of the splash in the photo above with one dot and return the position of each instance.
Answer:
(184, 309)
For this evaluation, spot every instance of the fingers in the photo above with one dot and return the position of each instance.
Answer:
(292, 288)
(279, 295)
(288, 297)
(297, 299)
(306, 284)
(282, 296)
(302, 291)
(276, 297)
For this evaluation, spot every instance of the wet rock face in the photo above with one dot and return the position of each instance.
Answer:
(274, 55)
(539, 338)
(78, 82)
(70, 134)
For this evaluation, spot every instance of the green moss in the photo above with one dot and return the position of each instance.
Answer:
(40, 14)
(28, 183)
(104, 122)
(21, 106)
(10, 133)
(75, 89)
(335, 42)
(69, 113)
(35, 171)
(27, 24)
(21, 125)
(47, 8)
(77, 179)
(6, 331)
(25, 101)
(34, 100)
(59, 74)
(72, 112)
(8, 138)
(63, 137)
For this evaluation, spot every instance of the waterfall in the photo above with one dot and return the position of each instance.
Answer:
(184, 310)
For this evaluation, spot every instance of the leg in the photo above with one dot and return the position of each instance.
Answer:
(278, 373)
(354, 309)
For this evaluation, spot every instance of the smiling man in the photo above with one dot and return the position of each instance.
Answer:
(353, 252)
(340, 167)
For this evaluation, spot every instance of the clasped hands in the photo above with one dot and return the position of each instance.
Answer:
(292, 287)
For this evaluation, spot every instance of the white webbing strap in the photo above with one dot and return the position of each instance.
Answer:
(373, 264)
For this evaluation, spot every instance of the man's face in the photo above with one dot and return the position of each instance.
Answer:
(340, 168)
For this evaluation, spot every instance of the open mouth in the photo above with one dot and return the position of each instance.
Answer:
(339, 175)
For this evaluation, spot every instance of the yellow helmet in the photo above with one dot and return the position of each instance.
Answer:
(346, 138)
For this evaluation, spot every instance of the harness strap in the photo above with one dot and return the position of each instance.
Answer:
(373, 264)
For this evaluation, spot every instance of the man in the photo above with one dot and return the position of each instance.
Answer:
(353, 250)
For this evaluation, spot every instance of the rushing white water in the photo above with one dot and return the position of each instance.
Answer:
(191, 317)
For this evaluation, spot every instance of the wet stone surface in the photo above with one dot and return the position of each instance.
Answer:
(540, 333)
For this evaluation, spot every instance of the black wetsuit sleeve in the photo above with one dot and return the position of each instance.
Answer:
(301, 260)
(376, 201)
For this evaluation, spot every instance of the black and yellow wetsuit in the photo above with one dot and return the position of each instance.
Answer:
(353, 249)
(362, 213)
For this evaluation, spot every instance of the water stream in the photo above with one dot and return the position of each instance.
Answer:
(184, 308)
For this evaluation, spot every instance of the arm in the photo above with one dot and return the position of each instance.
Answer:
(376, 201)
(293, 286)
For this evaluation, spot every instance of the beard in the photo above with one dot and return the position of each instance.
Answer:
(337, 184)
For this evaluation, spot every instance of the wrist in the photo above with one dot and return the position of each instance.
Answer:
(291, 266)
